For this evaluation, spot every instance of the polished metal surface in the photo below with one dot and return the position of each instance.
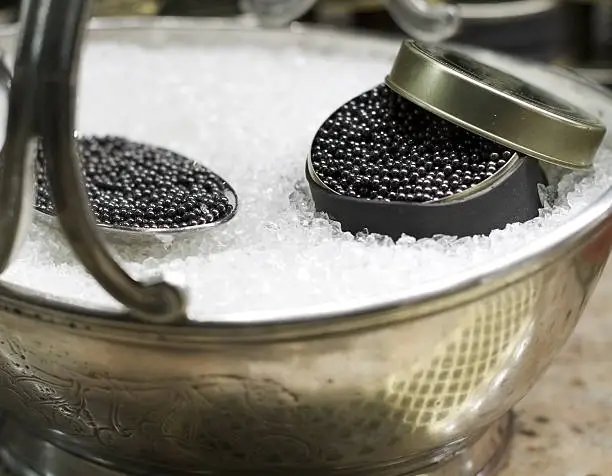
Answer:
(17, 171)
(62, 35)
(26, 455)
(425, 20)
(496, 105)
(412, 381)
(412, 390)
(131, 235)
(6, 77)
(48, 59)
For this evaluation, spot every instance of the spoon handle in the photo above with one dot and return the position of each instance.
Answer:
(425, 20)
(17, 155)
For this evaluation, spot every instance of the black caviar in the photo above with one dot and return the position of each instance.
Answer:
(382, 146)
(135, 185)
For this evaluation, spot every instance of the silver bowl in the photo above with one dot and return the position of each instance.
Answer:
(401, 388)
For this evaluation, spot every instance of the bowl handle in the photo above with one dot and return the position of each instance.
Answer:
(17, 154)
(42, 101)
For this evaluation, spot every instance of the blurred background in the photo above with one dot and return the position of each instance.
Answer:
(576, 33)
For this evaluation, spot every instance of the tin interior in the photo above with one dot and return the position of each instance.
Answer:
(478, 187)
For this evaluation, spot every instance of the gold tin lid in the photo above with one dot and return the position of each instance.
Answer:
(496, 105)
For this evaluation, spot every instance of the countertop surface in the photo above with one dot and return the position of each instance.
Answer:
(565, 423)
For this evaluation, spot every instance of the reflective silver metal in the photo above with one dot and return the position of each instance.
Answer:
(130, 235)
(402, 387)
(27, 455)
(517, 114)
(425, 20)
(17, 155)
(44, 86)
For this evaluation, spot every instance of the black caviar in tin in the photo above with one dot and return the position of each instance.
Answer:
(382, 146)
(384, 165)
(448, 145)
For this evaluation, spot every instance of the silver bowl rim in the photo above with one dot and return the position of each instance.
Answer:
(434, 297)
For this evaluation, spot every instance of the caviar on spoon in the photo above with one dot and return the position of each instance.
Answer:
(136, 189)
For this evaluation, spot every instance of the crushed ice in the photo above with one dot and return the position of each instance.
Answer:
(250, 114)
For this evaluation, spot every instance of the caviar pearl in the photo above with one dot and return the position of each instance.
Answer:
(135, 185)
(380, 143)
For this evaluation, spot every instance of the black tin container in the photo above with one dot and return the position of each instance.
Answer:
(512, 198)
(489, 110)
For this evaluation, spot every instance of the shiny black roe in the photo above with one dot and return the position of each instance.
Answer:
(135, 185)
(382, 146)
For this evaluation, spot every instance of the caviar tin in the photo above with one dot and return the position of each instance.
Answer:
(496, 105)
(448, 145)
(513, 196)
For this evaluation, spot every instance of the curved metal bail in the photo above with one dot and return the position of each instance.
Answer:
(61, 34)
(17, 155)
(429, 21)
(425, 20)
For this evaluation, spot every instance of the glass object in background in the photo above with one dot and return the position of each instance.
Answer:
(425, 20)
(529, 28)
(127, 7)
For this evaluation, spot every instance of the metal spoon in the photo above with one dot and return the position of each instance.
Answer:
(127, 233)
(425, 20)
